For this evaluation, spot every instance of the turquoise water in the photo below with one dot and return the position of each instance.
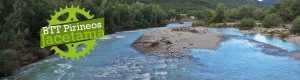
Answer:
(238, 57)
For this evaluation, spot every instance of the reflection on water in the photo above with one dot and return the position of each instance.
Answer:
(237, 58)
(275, 42)
(241, 59)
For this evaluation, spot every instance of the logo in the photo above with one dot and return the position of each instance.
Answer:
(72, 33)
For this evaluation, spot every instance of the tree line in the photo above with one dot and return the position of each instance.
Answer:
(282, 12)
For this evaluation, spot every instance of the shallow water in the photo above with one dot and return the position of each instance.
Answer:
(237, 58)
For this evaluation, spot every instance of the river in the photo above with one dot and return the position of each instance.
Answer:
(240, 57)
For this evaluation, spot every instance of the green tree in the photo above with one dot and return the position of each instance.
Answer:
(260, 14)
(137, 14)
(296, 6)
(206, 14)
(158, 14)
(296, 25)
(220, 13)
(41, 11)
(272, 20)
(1, 6)
(232, 14)
(172, 13)
(13, 33)
(247, 23)
(246, 11)
(7, 67)
(284, 9)
(132, 16)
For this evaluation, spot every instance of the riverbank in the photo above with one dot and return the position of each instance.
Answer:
(283, 32)
(14, 60)
(177, 42)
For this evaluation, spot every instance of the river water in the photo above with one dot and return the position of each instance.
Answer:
(240, 57)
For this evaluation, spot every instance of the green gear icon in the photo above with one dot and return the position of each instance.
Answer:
(72, 47)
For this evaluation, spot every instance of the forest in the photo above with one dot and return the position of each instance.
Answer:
(21, 20)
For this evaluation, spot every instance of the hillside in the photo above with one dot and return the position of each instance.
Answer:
(186, 5)
(208, 3)
(269, 2)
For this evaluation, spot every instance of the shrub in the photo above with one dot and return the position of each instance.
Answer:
(260, 14)
(220, 13)
(246, 11)
(7, 67)
(272, 20)
(296, 25)
(206, 14)
(231, 14)
(285, 10)
(199, 23)
(247, 23)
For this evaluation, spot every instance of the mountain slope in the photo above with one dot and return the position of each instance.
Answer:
(269, 2)
(186, 5)
(208, 3)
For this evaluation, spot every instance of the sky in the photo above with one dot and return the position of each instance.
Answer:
(260, 0)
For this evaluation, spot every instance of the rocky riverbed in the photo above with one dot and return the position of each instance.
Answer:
(177, 41)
